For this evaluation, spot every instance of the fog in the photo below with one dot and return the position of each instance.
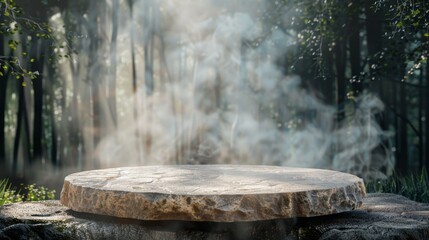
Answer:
(198, 82)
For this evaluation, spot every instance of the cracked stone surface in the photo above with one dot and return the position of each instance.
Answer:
(216, 193)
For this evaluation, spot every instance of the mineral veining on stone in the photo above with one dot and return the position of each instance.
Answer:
(219, 193)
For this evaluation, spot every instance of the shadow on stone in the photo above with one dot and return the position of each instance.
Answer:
(272, 229)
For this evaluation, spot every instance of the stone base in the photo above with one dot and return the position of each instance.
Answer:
(212, 193)
(382, 216)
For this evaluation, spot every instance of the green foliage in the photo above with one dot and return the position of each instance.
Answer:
(38, 193)
(13, 22)
(414, 186)
(7, 194)
(32, 193)
(321, 23)
(12, 25)
(19, 32)
(409, 23)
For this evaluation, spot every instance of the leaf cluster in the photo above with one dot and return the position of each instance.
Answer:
(31, 192)
(18, 30)
(408, 23)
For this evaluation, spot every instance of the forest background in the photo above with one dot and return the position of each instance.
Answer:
(329, 84)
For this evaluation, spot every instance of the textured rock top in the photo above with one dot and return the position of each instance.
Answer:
(220, 193)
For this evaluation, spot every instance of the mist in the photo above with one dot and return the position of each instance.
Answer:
(200, 82)
(218, 95)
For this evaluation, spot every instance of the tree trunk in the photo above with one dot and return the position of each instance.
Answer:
(150, 24)
(329, 75)
(21, 129)
(134, 83)
(97, 71)
(355, 55)
(420, 122)
(133, 55)
(75, 131)
(3, 85)
(38, 101)
(340, 64)
(427, 118)
(400, 71)
(53, 148)
(113, 47)
(395, 119)
(374, 33)
(3, 99)
(149, 18)
(402, 163)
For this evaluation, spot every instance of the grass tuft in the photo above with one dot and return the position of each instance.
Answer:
(8, 194)
(413, 186)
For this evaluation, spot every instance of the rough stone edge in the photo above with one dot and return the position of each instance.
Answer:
(221, 208)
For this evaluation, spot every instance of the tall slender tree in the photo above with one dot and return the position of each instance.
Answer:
(111, 91)
(425, 42)
(37, 84)
(354, 46)
(136, 113)
(22, 130)
(4, 76)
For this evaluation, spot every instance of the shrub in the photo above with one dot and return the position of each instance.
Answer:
(8, 194)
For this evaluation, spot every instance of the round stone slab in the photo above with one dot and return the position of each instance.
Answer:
(217, 193)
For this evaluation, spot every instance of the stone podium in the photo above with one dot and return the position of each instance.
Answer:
(212, 193)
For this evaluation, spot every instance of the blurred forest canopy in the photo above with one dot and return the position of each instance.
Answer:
(76, 72)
